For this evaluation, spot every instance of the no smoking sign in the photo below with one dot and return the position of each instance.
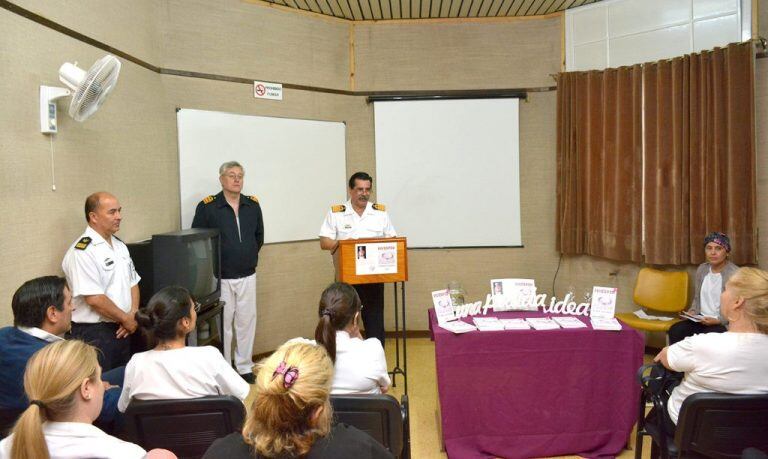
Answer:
(266, 90)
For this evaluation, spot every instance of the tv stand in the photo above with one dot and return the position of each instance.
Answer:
(209, 314)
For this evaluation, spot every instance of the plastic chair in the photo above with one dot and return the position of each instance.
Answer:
(712, 425)
(380, 416)
(186, 427)
(722, 425)
(658, 291)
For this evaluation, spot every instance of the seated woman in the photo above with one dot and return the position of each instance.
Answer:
(291, 415)
(171, 370)
(732, 362)
(360, 365)
(63, 384)
(711, 277)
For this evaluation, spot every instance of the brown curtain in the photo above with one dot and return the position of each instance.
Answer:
(599, 154)
(699, 166)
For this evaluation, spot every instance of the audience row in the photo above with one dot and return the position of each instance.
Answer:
(42, 311)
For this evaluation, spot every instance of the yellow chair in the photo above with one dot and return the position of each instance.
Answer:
(659, 293)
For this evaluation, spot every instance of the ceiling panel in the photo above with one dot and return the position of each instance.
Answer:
(373, 10)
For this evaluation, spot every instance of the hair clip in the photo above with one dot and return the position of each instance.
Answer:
(290, 374)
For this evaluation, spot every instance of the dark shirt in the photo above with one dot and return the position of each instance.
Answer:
(16, 347)
(239, 249)
(342, 442)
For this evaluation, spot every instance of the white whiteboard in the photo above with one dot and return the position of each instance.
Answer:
(448, 170)
(296, 168)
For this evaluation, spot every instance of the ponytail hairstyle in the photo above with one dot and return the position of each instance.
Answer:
(338, 305)
(160, 317)
(51, 381)
(292, 408)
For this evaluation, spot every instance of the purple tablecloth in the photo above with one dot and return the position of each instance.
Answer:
(533, 393)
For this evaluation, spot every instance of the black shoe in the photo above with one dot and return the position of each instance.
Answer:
(249, 378)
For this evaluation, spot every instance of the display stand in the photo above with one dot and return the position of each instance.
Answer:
(345, 261)
(214, 315)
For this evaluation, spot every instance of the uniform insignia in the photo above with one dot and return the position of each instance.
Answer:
(83, 243)
(380, 207)
(253, 198)
(209, 199)
(338, 208)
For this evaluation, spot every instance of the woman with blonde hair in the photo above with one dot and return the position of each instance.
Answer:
(63, 384)
(291, 414)
(732, 362)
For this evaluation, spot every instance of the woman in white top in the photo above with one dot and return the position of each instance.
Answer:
(732, 362)
(711, 277)
(171, 370)
(63, 384)
(360, 366)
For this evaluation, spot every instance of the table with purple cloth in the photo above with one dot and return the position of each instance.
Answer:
(533, 393)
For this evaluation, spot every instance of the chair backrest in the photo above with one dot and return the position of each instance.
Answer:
(186, 427)
(665, 291)
(379, 416)
(722, 425)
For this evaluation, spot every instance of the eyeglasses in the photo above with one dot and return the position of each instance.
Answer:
(234, 176)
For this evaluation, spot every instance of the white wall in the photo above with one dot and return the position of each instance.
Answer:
(614, 33)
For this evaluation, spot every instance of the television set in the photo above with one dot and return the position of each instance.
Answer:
(190, 258)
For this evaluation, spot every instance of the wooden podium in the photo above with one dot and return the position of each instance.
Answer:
(345, 260)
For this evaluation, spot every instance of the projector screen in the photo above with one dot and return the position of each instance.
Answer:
(296, 168)
(448, 170)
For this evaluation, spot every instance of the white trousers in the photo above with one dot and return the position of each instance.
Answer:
(239, 296)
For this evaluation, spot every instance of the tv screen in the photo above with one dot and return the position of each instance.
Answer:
(200, 273)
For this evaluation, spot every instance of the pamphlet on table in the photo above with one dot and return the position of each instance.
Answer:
(603, 305)
(457, 327)
(605, 324)
(542, 323)
(569, 322)
(443, 307)
(515, 324)
(488, 323)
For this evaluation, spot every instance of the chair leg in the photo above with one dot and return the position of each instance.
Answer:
(654, 450)
(639, 444)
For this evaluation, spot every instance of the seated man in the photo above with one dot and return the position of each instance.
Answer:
(42, 313)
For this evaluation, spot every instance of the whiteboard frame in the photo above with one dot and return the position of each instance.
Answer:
(317, 190)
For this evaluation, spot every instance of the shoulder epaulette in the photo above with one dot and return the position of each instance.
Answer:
(253, 198)
(83, 243)
(380, 207)
(209, 199)
(338, 208)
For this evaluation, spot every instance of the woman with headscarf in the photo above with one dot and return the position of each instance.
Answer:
(711, 277)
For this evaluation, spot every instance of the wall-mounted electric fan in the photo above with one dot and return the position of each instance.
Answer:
(89, 89)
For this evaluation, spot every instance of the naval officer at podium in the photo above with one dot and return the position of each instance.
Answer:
(358, 218)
